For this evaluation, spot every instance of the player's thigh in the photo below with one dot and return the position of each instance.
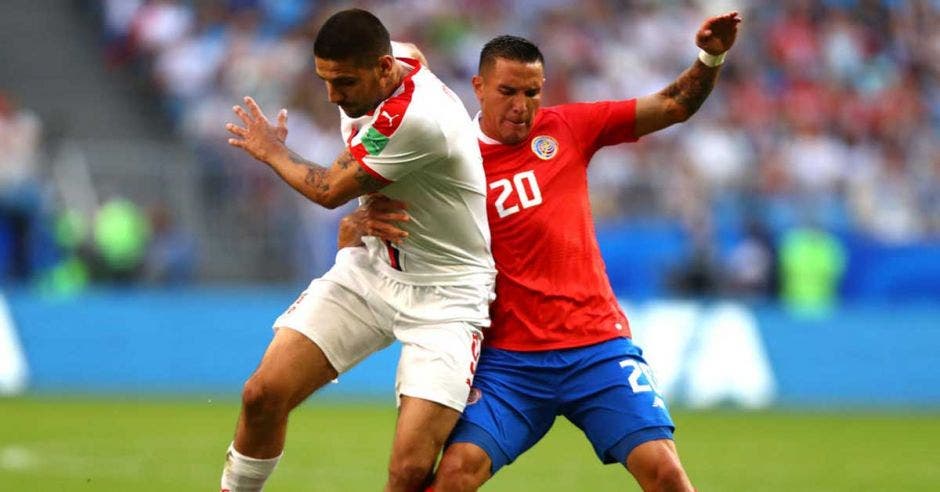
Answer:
(292, 368)
(612, 398)
(512, 405)
(338, 321)
(421, 430)
(437, 362)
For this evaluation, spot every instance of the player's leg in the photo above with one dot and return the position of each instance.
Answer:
(656, 467)
(465, 466)
(434, 376)
(612, 397)
(325, 332)
(420, 433)
(511, 407)
(291, 369)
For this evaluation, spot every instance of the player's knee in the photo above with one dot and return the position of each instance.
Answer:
(263, 402)
(461, 471)
(408, 473)
(670, 477)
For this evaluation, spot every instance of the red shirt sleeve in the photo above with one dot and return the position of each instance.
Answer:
(599, 124)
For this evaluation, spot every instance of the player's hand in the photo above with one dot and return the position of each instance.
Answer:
(258, 137)
(377, 217)
(717, 33)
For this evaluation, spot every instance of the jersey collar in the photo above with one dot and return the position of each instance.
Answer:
(482, 136)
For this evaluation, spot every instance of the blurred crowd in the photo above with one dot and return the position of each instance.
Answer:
(826, 117)
(61, 250)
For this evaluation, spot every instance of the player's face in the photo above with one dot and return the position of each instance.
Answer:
(510, 93)
(355, 88)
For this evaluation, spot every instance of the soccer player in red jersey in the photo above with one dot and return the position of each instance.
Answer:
(559, 343)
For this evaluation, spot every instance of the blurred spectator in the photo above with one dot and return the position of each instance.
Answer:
(751, 269)
(121, 235)
(812, 262)
(20, 132)
(698, 276)
(884, 196)
(157, 24)
(71, 274)
(171, 254)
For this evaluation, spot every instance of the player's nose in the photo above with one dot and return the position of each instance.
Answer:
(518, 105)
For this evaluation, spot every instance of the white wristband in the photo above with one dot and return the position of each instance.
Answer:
(711, 60)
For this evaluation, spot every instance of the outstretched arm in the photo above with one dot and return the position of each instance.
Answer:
(681, 99)
(328, 186)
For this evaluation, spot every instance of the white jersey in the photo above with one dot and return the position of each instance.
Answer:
(422, 141)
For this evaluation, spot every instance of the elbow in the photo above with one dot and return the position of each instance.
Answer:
(326, 198)
(331, 202)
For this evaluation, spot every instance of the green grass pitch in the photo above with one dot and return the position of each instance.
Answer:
(68, 444)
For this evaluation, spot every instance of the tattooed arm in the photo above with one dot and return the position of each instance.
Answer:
(328, 186)
(681, 99)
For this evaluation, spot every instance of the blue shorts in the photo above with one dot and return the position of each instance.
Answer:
(606, 389)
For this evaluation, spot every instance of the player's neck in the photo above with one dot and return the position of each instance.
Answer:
(399, 72)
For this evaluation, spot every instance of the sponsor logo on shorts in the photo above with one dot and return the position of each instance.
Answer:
(544, 147)
(475, 395)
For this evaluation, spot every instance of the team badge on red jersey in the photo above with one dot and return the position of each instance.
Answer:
(544, 147)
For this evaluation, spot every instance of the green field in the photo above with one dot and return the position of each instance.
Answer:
(122, 445)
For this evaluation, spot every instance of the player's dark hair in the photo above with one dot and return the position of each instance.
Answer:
(355, 35)
(511, 48)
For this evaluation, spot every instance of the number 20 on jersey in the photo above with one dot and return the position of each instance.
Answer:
(524, 186)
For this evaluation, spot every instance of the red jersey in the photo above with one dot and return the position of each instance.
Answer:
(552, 289)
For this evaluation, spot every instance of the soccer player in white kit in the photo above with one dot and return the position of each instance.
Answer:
(410, 136)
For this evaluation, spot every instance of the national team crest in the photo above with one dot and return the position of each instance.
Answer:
(544, 147)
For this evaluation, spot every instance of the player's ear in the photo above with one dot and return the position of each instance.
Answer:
(477, 82)
(386, 64)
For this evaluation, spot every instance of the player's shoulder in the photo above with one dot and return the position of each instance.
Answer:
(576, 114)
(568, 110)
(576, 107)
(559, 115)
(401, 111)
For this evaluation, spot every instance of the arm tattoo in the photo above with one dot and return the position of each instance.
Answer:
(316, 175)
(367, 182)
(692, 87)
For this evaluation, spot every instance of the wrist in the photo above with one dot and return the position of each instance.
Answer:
(278, 157)
(710, 60)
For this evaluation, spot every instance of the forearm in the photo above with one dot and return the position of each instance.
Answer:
(309, 178)
(689, 91)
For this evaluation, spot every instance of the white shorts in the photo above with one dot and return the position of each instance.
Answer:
(355, 310)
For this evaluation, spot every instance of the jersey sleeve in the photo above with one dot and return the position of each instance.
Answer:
(392, 157)
(599, 124)
(399, 139)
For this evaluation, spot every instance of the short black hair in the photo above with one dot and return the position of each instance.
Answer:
(353, 34)
(511, 48)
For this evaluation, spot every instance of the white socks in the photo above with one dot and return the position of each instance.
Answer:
(245, 474)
